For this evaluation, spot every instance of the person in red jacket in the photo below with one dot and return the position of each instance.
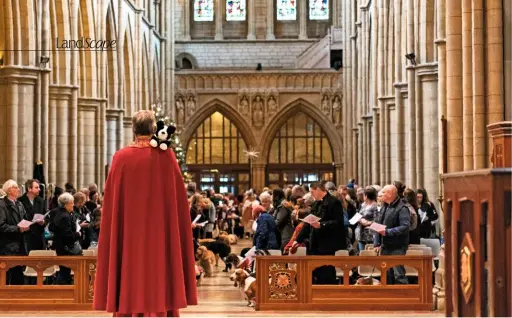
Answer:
(145, 264)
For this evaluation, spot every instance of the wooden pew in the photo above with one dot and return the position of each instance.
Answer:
(48, 297)
(291, 287)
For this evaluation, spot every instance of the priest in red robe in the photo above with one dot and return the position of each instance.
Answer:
(145, 252)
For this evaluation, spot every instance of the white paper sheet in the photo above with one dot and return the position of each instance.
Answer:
(251, 253)
(78, 228)
(310, 219)
(196, 219)
(355, 219)
(376, 227)
(202, 224)
(88, 217)
(25, 223)
(37, 218)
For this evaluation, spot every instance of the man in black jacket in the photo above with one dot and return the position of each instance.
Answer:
(33, 205)
(12, 240)
(326, 236)
(394, 239)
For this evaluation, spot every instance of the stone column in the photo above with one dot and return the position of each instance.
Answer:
(454, 84)
(399, 105)
(376, 152)
(258, 176)
(411, 79)
(251, 21)
(374, 94)
(219, 20)
(478, 70)
(303, 20)
(441, 69)
(270, 20)
(467, 85)
(494, 65)
(186, 20)
(338, 168)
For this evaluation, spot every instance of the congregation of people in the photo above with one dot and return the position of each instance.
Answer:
(277, 219)
(68, 221)
(65, 221)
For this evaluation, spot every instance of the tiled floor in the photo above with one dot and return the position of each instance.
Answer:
(219, 298)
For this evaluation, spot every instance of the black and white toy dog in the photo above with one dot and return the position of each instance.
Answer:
(162, 136)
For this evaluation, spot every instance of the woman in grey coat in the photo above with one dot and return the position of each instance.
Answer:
(283, 216)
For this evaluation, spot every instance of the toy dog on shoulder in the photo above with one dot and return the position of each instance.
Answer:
(162, 136)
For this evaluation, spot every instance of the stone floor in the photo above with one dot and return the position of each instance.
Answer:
(219, 298)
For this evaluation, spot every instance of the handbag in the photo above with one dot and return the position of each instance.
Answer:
(76, 250)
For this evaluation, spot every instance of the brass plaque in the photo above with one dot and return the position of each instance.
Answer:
(467, 260)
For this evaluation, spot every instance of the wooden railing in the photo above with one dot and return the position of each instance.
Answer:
(290, 285)
(48, 297)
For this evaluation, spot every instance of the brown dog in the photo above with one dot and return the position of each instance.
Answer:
(247, 285)
(229, 239)
(206, 260)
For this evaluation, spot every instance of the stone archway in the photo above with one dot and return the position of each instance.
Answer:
(216, 138)
(289, 110)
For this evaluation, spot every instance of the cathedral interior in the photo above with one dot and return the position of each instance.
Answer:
(314, 90)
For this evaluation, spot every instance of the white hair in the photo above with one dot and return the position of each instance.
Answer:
(265, 196)
(330, 186)
(308, 199)
(9, 184)
(65, 198)
(377, 187)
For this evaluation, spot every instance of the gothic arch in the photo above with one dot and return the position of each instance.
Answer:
(182, 56)
(112, 66)
(87, 59)
(229, 112)
(301, 105)
(145, 75)
(129, 89)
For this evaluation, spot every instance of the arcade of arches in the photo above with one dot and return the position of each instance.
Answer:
(316, 90)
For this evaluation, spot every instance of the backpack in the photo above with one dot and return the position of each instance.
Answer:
(414, 218)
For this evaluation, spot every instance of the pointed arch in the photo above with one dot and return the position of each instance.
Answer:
(217, 105)
(112, 69)
(145, 77)
(60, 29)
(87, 65)
(288, 111)
(129, 89)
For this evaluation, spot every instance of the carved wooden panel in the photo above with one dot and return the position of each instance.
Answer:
(283, 281)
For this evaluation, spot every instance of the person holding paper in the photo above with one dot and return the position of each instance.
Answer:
(367, 214)
(65, 235)
(13, 225)
(327, 235)
(393, 239)
(34, 207)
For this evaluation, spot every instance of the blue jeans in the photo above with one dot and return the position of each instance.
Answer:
(396, 275)
(361, 246)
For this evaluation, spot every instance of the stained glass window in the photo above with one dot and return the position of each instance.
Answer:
(287, 10)
(318, 9)
(235, 10)
(203, 10)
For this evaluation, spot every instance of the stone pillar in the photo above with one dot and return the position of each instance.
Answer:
(186, 20)
(454, 84)
(399, 105)
(270, 20)
(258, 176)
(478, 70)
(219, 20)
(303, 20)
(494, 64)
(376, 151)
(251, 21)
(338, 168)
(441, 71)
(411, 79)
(467, 85)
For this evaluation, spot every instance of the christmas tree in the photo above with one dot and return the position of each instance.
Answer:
(176, 145)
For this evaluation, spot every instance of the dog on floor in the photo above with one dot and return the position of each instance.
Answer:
(229, 239)
(247, 285)
(232, 261)
(220, 249)
(206, 260)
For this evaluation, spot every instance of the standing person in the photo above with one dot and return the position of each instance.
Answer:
(427, 215)
(12, 238)
(369, 212)
(283, 215)
(412, 204)
(326, 236)
(145, 251)
(33, 205)
(394, 239)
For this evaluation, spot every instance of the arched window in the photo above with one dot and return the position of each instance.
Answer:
(215, 156)
(235, 10)
(203, 10)
(186, 64)
(319, 9)
(300, 153)
(286, 10)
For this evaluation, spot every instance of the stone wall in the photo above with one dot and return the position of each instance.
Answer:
(236, 54)
(73, 112)
(393, 129)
